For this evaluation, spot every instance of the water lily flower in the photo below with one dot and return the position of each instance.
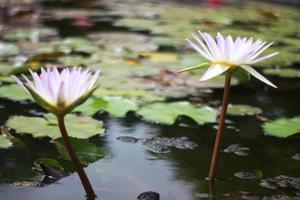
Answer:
(224, 53)
(227, 55)
(60, 92)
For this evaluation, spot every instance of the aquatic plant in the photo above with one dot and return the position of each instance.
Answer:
(226, 55)
(59, 93)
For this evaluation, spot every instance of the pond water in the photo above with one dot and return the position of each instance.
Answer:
(247, 170)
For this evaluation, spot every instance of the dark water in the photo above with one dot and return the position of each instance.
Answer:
(129, 169)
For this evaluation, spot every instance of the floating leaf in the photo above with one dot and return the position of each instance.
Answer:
(77, 126)
(167, 113)
(5, 142)
(285, 73)
(139, 94)
(48, 162)
(119, 106)
(136, 23)
(283, 127)
(5, 68)
(86, 151)
(242, 110)
(131, 42)
(8, 49)
(161, 57)
(116, 106)
(14, 92)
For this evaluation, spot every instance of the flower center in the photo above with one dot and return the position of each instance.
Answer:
(226, 63)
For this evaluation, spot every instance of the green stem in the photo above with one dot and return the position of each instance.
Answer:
(220, 131)
(83, 177)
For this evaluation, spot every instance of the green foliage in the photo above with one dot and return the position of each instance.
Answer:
(86, 151)
(5, 142)
(14, 92)
(8, 49)
(116, 106)
(284, 73)
(282, 127)
(48, 162)
(167, 113)
(242, 110)
(77, 126)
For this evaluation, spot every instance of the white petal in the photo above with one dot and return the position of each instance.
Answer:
(213, 71)
(212, 45)
(263, 58)
(257, 75)
(61, 94)
(20, 83)
(199, 50)
(204, 47)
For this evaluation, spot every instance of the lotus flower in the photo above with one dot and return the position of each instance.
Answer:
(224, 53)
(60, 92)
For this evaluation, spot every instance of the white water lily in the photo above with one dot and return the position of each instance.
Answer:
(60, 92)
(224, 53)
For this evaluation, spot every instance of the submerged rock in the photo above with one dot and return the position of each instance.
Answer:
(128, 139)
(296, 156)
(244, 175)
(202, 195)
(161, 144)
(29, 183)
(281, 181)
(237, 150)
(148, 196)
(164, 144)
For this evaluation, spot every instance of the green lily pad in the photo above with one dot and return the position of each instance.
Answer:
(48, 162)
(5, 68)
(5, 143)
(77, 126)
(116, 106)
(8, 49)
(14, 92)
(285, 73)
(139, 94)
(86, 151)
(138, 24)
(92, 106)
(122, 41)
(242, 110)
(33, 35)
(167, 113)
(283, 127)
(119, 106)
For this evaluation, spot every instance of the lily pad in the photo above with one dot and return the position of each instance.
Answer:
(116, 106)
(167, 113)
(77, 126)
(242, 110)
(87, 152)
(5, 142)
(285, 73)
(137, 24)
(117, 41)
(49, 162)
(283, 127)
(14, 92)
(8, 49)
